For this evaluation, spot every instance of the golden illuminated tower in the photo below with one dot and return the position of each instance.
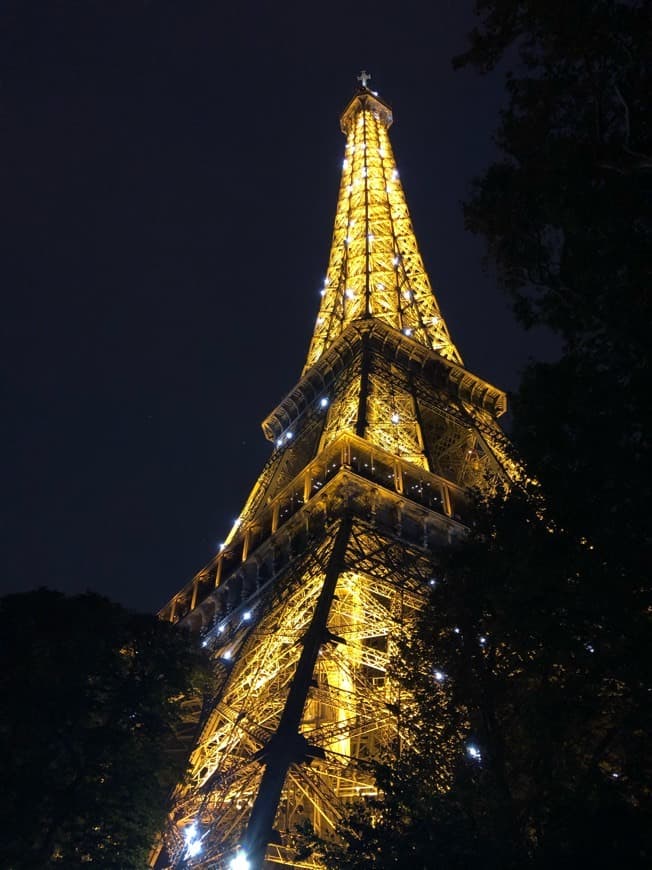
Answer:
(375, 449)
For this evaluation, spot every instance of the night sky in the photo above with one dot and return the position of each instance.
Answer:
(168, 183)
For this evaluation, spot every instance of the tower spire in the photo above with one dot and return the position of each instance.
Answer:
(375, 268)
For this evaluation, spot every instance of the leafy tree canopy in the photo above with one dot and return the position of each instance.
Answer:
(567, 220)
(92, 705)
(566, 211)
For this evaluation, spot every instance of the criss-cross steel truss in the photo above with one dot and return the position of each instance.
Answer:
(375, 268)
(376, 448)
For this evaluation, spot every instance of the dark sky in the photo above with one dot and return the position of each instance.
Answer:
(168, 181)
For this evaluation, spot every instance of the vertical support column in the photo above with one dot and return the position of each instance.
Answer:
(345, 456)
(275, 511)
(398, 476)
(195, 590)
(288, 746)
(307, 484)
(446, 501)
(218, 570)
(246, 543)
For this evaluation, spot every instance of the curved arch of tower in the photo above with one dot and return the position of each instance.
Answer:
(375, 450)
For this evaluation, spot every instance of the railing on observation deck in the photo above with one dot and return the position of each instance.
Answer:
(414, 485)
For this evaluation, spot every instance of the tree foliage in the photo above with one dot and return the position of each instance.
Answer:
(566, 211)
(566, 216)
(91, 706)
(524, 744)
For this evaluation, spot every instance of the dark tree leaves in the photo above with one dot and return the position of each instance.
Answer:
(91, 706)
(566, 212)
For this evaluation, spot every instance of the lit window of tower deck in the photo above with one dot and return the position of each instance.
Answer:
(374, 451)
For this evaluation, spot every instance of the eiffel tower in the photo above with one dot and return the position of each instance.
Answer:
(375, 450)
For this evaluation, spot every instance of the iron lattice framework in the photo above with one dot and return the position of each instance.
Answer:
(375, 450)
(375, 269)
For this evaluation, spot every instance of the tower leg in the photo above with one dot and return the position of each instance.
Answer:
(288, 746)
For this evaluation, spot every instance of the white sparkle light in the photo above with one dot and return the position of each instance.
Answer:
(192, 840)
(473, 752)
(395, 418)
(323, 402)
(240, 862)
